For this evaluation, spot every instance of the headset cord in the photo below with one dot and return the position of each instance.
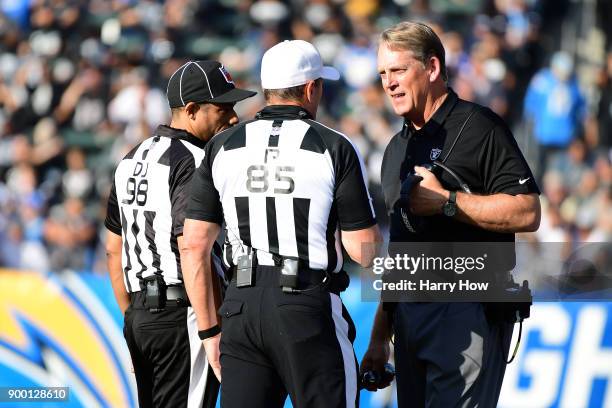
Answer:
(454, 175)
(518, 341)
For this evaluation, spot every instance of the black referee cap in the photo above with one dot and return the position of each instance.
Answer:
(203, 81)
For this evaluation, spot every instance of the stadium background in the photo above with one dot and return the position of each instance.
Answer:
(81, 82)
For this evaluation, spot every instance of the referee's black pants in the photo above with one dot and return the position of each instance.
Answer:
(275, 343)
(168, 357)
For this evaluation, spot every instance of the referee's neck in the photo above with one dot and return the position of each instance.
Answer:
(285, 102)
(181, 122)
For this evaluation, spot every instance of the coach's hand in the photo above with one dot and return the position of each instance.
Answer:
(211, 346)
(374, 360)
(427, 197)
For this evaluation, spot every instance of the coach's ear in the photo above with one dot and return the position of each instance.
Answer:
(435, 68)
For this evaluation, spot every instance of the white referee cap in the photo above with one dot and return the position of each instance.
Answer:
(293, 63)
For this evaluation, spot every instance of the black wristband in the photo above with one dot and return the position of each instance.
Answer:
(208, 333)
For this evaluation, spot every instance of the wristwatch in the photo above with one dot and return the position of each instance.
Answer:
(450, 207)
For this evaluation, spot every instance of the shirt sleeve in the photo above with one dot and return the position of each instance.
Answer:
(503, 166)
(204, 203)
(113, 218)
(179, 192)
(352, 198)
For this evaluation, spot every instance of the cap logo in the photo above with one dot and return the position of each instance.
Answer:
(434, 154)
(226, 75)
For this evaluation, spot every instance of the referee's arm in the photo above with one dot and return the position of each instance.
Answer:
(362, 245)
(203, 219)
(113, 251)
(195, 247)
(115, 270)
(359, 232)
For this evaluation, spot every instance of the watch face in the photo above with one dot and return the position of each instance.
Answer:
(450, 209)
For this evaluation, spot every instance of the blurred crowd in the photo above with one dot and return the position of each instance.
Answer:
(82, 82)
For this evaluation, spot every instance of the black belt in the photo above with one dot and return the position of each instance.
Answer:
(177, 293)
(176, 296)
(268, 276)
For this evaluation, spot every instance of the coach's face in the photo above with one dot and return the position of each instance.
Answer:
(213, 118)
(405, 80)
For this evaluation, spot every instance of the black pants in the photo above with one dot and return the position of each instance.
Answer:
(168, 357)
(274, 344)
(448, 355)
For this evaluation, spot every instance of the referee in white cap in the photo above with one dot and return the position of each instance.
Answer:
(291, 192)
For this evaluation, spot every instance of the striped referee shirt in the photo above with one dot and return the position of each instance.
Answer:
(285, 185)
(148, 201)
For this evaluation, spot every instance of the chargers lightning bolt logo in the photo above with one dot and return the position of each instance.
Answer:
(56, 331)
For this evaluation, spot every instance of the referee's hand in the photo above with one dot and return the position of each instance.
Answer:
(211, 346)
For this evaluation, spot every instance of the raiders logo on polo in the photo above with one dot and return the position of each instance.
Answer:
(226, 75)
(435, 153)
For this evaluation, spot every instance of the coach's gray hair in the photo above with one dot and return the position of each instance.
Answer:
(418, 38)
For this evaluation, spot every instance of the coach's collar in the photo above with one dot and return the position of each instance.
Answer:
(283, 112)
(436, 121)
(164, 130)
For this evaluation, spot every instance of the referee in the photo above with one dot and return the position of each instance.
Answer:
(146, 210)
(291, 192)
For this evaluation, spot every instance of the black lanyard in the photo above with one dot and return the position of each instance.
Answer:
(464, 186)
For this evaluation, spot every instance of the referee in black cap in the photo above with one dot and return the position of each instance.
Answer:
(146, 210)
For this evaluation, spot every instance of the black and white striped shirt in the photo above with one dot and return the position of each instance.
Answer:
(285, 185)
(148, 201)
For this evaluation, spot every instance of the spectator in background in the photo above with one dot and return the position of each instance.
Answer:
(77, 181)
(555, 108)
(480, 80)
(69, 233)
(551, 243)
(604, 109)
(572, 162)
(602, 231)
(357, 61)
(456, 57)
(34, 255)
(137, 106)
(10, 244)
(22, 182)
(584, 204)
(83, 102)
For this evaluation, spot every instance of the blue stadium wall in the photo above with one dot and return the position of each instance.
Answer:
(65, 330)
